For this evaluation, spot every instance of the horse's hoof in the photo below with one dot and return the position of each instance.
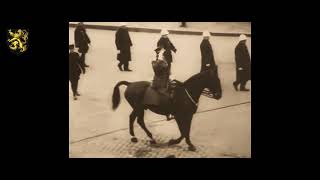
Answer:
(192, 148)
(153, 141)
(134, 139)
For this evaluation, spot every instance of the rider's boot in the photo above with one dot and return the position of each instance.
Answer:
(169, 117)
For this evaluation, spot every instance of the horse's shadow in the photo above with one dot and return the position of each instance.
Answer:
(160, 149)
(161, 144)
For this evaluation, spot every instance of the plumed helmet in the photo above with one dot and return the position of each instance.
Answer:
(206, 34)
(164, 32)
(242, 37)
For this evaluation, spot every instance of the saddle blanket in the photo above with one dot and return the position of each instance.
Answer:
(153, 97)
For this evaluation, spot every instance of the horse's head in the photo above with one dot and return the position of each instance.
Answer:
(213, 82)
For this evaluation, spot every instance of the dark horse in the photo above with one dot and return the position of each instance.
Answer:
(185, 104)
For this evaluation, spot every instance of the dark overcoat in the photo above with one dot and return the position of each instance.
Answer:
(81, 39)
(242, 58)
(166, 44)
(74, 66)
(207, 56)
(123, 43)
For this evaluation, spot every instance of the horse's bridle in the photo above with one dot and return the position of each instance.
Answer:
(192, 100)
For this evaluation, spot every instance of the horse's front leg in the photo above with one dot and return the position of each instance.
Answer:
(187, 127)
(175, 141)
(178, 140)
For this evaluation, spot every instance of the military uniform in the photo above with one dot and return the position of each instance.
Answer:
(123, 43)
(161, 77)
(82, 40)
(207, 57)
(75, 70)
(243, 65)
(166, 44)
(157, 93)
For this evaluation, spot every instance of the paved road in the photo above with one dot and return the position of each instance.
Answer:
(219, 133)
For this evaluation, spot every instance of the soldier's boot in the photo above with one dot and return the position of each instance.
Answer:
(244, 89)
(83, 57)
(120, 67)
(126, 66)
(243, 86)
(75, 98)
(235, 85)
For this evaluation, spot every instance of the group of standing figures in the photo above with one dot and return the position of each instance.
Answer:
(77, 63)
(162, 65)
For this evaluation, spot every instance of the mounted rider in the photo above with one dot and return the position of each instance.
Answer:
(161, 73)
(160, 91)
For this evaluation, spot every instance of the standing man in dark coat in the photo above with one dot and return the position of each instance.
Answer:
(243, 64)
(82, 42)
(207, 58)
(165, 43)
(123, 43)
(75, 70)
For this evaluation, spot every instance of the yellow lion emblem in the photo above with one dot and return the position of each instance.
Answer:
(18, 40)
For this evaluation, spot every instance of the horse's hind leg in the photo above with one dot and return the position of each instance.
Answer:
(133, 116)
(175, 141)
(143, 126)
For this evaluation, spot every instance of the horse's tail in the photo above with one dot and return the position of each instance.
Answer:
(116, 94)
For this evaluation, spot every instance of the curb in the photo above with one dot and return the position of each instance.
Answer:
(149, 30)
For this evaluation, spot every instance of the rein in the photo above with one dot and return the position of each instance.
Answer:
(192, 100)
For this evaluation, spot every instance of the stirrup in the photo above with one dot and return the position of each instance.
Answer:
(170, 117)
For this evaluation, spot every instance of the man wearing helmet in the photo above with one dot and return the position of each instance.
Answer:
(243, 64)
(75, 70)
(123, 43)
(82, 41)
(161, 71)
(165, 43)
(207, 58)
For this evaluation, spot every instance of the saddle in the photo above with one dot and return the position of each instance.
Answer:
(161, 96)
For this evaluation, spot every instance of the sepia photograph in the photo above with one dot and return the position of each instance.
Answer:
(160, 90)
